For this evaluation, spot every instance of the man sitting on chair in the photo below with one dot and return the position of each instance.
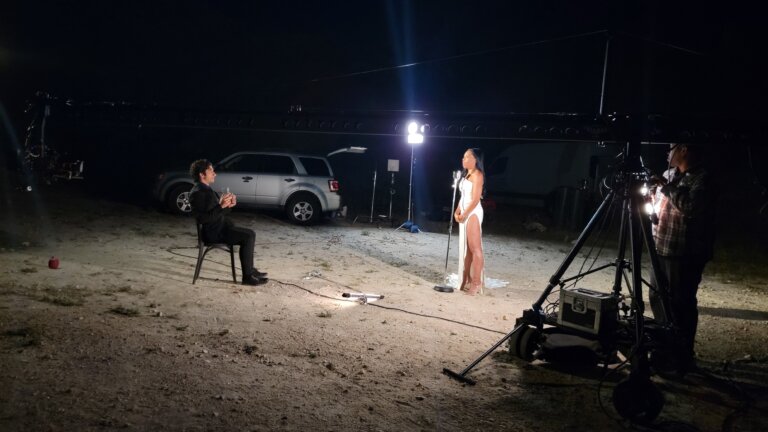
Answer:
(210, 210)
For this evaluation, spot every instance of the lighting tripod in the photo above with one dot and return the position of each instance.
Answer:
(409, 222)
(391, 194)
(373, 198)
(625, 328)
(373, 195)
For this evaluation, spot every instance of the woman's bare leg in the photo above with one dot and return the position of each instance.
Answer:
(475, 251)
(465, 278)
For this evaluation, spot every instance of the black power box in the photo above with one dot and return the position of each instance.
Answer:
(586, 310)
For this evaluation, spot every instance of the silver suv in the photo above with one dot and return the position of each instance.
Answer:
(302, 185)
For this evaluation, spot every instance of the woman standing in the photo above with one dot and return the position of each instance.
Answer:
(469, 215)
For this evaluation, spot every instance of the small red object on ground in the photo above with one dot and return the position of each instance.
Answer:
(53, 263)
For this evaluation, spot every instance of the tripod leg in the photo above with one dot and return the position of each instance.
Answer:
(462, 375)
(662, 285)
(373, 195)
(635, 243)
(620, 265)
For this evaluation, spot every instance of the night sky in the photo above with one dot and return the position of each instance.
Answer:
(247, 55)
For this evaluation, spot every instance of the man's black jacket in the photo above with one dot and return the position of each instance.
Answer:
(207, 211)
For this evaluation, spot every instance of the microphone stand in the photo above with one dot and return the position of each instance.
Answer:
(444, 287)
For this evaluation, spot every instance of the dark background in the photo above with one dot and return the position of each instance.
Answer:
(674, 58)
(265, 55)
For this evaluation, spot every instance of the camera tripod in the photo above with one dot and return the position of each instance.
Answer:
(624, 328)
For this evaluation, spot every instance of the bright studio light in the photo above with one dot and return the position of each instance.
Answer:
(649, 208)
(415, 133)
(644, 189)
(415, 139)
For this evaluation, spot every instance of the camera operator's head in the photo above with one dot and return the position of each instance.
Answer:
(683, 156)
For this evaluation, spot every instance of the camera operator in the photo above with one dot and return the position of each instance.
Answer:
(684, 237)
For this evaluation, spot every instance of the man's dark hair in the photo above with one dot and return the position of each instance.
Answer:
(198, 167)
(696, 152)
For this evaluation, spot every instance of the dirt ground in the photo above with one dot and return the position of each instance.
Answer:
(119, 338)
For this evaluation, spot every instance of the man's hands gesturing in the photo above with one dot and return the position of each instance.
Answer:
(228, 200)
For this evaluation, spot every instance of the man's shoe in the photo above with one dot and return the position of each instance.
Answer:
(258, 274)
(250, 280)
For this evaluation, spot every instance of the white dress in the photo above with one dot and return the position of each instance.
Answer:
(465, 186)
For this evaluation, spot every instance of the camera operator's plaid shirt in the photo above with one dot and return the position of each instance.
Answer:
(686, 215)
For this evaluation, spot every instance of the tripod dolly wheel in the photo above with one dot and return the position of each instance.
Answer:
(638, 400)
(524, 343)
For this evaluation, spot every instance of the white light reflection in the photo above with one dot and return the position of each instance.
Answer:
(415, 133)
(649, 208)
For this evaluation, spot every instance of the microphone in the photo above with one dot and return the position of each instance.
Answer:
(456, 177)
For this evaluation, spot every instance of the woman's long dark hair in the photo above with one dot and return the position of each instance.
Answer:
(478, 154)
(478, 166)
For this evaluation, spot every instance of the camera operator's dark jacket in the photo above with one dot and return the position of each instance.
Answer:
(687, 216)
(208, 212)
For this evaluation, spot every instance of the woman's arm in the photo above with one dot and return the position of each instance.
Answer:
(457, 211)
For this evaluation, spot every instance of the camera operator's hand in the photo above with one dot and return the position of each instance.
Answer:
(658, 181)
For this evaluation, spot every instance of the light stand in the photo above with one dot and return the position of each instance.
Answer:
(444, 287)
(393, 166)
(373, 194)
(410, 188)
(391, 194)
(415, 137)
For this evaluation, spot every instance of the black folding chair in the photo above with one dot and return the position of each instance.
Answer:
(204, 248)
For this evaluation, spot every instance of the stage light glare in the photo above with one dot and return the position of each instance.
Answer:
(415, 133)
(644, 189)
(414, 139)
(649, 208)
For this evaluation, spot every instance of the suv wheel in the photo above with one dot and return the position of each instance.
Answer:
(303, 209)
(178, 200)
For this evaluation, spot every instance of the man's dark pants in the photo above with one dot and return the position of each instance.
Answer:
(684, 276)
(245, 238)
